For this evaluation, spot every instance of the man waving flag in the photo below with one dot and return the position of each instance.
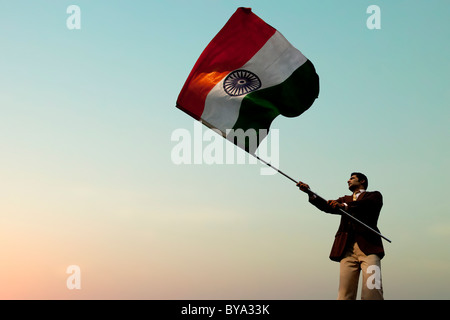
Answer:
(247, 76)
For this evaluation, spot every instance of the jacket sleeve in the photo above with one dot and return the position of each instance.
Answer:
(322, 204)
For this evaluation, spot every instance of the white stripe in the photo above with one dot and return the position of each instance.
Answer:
(273, 64)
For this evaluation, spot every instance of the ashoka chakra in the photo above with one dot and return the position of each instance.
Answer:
(241, 82)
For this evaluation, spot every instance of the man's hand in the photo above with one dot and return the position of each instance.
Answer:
(303, 186)
(335, 205)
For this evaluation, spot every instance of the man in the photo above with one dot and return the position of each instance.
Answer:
(355, 247)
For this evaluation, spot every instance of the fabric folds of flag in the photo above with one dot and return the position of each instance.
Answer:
(247, 76)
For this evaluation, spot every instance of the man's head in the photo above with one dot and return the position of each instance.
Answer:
(357, 181)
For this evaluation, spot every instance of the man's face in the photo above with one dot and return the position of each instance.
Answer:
(354, 184)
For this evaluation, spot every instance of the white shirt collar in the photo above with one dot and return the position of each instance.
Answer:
(359, 192)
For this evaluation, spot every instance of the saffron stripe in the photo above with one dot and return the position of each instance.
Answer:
(242, 36)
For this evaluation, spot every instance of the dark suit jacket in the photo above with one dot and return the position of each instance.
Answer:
(366, 209)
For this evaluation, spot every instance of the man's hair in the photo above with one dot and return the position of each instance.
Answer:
(361, 177)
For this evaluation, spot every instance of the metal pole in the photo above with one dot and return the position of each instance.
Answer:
(315, 194)
(352, 217)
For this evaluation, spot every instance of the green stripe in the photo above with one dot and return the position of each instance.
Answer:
(290, 98)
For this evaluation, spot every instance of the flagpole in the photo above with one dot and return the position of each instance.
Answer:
(309, 192)
(276, 169)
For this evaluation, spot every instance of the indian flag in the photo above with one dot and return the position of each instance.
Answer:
(247, 76)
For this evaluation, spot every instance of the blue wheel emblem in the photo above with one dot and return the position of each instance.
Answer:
(241, 82)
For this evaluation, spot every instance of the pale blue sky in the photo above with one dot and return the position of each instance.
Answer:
(85, 157)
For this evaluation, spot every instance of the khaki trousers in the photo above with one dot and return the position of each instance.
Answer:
(353, 262)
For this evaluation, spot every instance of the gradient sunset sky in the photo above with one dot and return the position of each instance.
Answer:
(87, 178)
